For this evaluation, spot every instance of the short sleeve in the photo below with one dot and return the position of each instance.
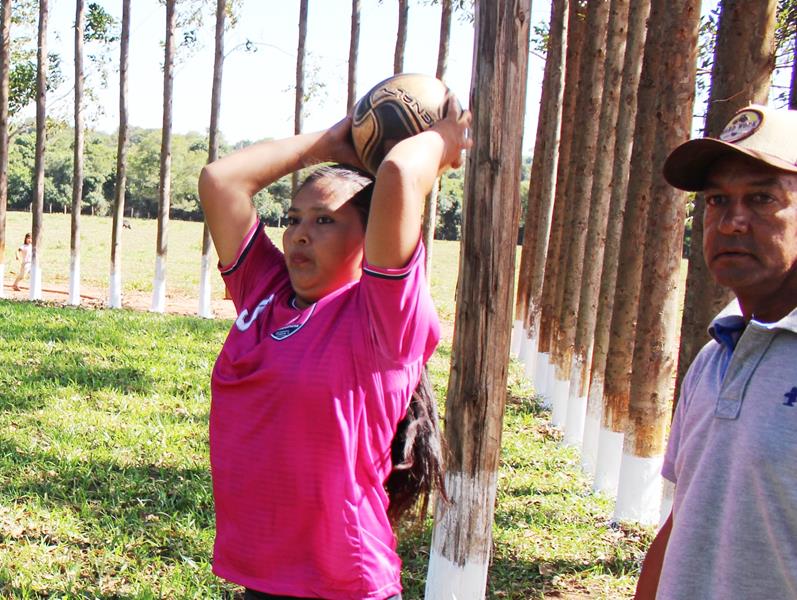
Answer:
(259, 265)
(403, 323)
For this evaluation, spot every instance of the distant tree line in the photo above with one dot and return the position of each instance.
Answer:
(189, 154)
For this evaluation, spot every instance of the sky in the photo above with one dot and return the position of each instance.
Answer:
(257, 89)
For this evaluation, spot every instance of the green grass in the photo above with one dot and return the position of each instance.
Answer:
(104, 478)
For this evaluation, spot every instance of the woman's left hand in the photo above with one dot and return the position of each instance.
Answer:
(454, 129)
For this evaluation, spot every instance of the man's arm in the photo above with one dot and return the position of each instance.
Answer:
(651, 567)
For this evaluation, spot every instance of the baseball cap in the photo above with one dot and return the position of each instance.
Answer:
(765, 134)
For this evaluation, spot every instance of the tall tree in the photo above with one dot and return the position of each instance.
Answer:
(744, 57)
(476, 398)
(77, 162)
(543, 182)
(213, 153)
(616, 190)
(38, 170)
(164, 184)
(595, 242)
(430, 204)
(5, 65)
(115, 293)
(354, 45)
(656, 345)
(553, 271)
(298, 104)
(401, 35)
(588, 104)
(616, 390)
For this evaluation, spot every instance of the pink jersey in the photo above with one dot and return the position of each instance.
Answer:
(305, 406)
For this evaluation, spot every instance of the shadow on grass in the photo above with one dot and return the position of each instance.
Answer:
(145, 508)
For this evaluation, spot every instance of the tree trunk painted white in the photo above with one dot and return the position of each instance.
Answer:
(517, 337)
(576, 403)
(529, 346)
(74, 279)
(559, 396)
(639, 489)
(35, 292)
(205, 310)
(115, 291)
(2, 280)
(447, 579)
(159, 286)
(541, 378)
(592, 425)
(607, 464)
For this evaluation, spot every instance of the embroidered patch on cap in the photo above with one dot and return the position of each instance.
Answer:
(743, 125)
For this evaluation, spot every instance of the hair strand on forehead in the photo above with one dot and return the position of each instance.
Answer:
(360, 183)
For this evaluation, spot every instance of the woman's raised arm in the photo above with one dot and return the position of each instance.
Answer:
(404, 178)
(226, 186)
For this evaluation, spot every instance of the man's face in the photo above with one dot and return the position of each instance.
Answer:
(750, 230)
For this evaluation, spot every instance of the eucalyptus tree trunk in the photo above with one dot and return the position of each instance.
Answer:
(5, 65)
(556, 259)
(656, 345)
(164, 183)
(213, 153)
(542, 189)
(115, 292)
(617, 373)
(298, 104)
(554, 277)
(588, 106)
(401, 35)
(744, 57)
(615, 189)
(592, 258)
(461, 541)
(77, 163)
(38, 170)
(430, 204)
(354, 44)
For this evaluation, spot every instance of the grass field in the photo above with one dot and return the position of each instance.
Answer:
(104, 481)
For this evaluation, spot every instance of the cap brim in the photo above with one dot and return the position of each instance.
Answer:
(687, 166)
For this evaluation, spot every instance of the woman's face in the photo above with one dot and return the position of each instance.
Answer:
(323, 243)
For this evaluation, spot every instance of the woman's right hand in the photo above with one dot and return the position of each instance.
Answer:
(339, 144)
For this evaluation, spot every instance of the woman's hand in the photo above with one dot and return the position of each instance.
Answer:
(454, 129)
(339, 144)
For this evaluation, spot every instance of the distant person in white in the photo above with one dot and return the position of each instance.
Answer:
(23, 257)
(732, 452)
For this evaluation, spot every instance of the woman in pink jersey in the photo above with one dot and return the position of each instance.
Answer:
(317, 439)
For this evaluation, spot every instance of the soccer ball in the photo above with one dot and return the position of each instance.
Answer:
(394, 109)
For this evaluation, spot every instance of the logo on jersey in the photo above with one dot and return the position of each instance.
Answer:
(244, 322)
(287, 331)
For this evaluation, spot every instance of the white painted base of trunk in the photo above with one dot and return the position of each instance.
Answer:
(559, 398)
(2, 280)
(517, 335)
(74, 281)
(576, 406)
(607, 464)
(540, 380)
(639, 489)
(667, 496)
(530, 353)
(205, 311)
(589, 443)
(35, 281)
(115, 289)
(159, 287)
(473, 502)
(550, 381)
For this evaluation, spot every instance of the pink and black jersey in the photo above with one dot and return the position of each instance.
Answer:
(305, 406)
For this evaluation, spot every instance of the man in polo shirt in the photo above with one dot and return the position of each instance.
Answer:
(732, 452)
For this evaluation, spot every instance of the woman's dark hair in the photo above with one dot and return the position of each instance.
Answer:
(417, 447)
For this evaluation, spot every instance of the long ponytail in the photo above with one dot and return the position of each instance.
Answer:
(417, 453)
